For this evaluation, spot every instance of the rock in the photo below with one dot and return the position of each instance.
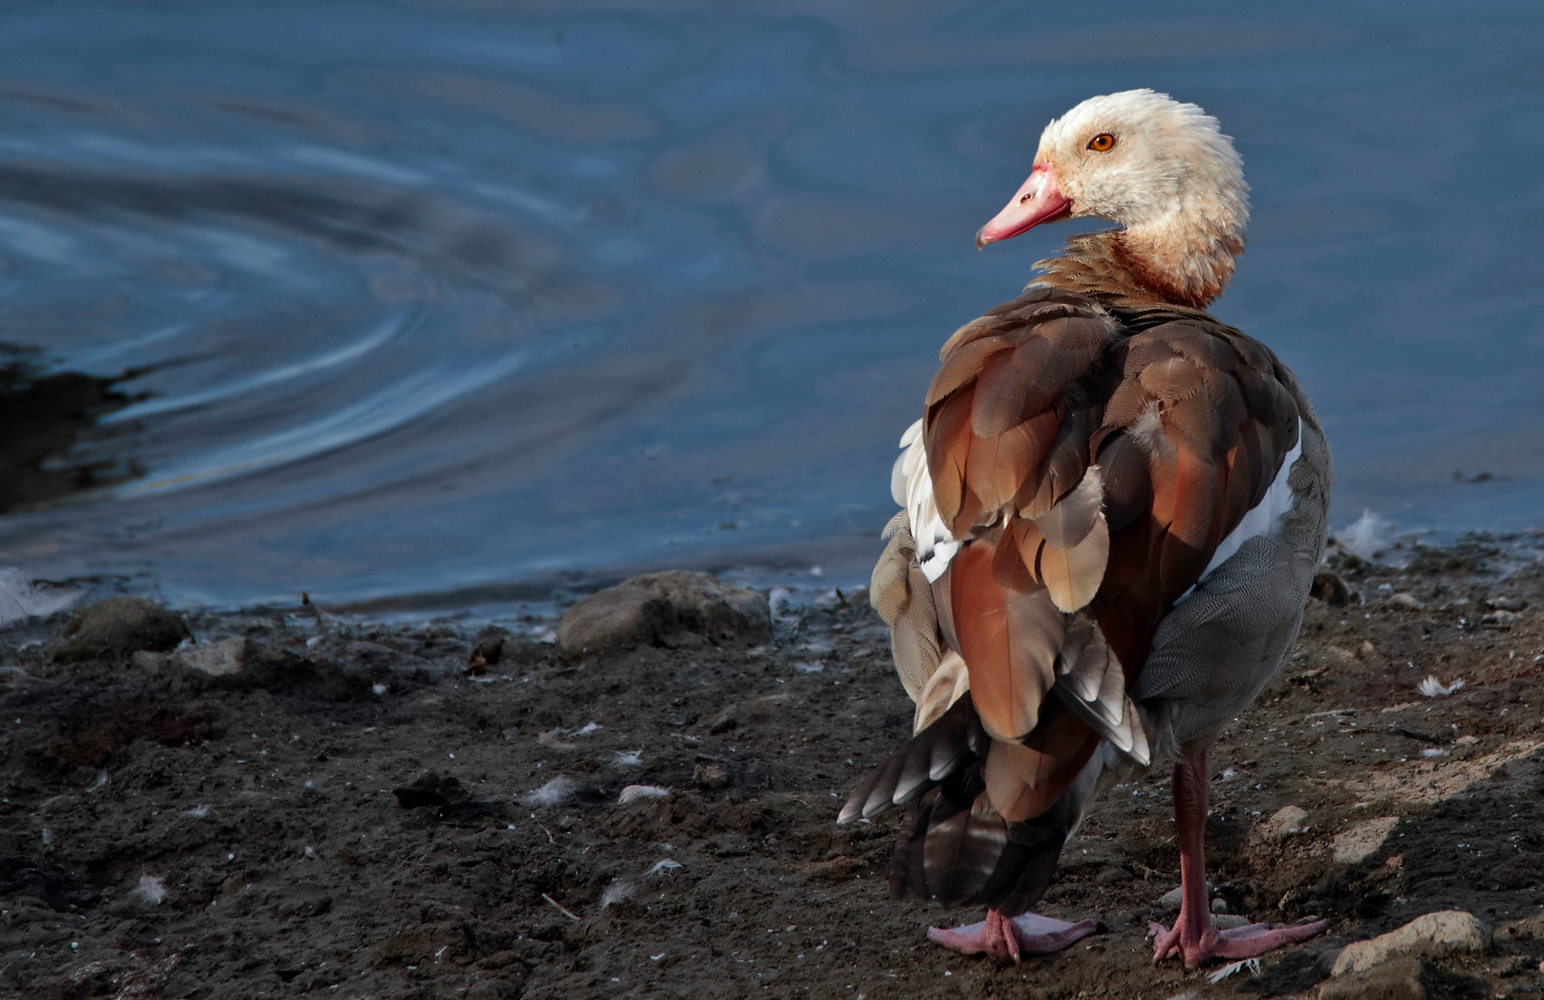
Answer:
(1396, 980)
(1175, 896)
(523, 651)
(1228, 921)
(1507, 603)
(1113, 876)
(1284, 822)
(1362, 840)
(220, 659)
(710, 776)
(120, 627)
(1330, 589)
(1406, 601)
(239, 663)
(615, 619)
(1433, 934)
(704, 605)
(770, 709)
(659, 609)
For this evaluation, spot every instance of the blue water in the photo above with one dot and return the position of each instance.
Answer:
(420, 297)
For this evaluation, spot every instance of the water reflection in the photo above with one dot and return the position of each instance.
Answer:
(47, 416)
(386, 299)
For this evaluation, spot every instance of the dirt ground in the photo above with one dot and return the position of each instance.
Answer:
(166, 834)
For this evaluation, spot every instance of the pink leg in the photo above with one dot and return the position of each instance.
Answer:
(1193, 938)
(1006, 939)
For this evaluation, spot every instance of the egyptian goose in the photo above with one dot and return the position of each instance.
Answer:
(1113, 508)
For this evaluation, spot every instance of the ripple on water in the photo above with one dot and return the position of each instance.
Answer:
(375, 300)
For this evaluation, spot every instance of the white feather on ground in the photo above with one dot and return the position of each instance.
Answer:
(151, 889)
(1252, 964)
(618, 891)
(633, 793)
(553, 793)
(1433, 688)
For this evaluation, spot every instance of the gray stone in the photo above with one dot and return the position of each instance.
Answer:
(1284, 822)
(769, 709)
(522, 651)
(220, 659)
(615, 619)
(710, 776)
(119, 627)
(1434, 934)
(1330, 589)
(1113, 876)
(1228, 921)
(661, 609)
(1363, 840)
(1176, 895)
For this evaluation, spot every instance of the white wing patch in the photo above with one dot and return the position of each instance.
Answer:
(912, 487)
(1265, 517)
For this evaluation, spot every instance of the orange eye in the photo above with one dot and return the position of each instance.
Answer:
(1102, 143)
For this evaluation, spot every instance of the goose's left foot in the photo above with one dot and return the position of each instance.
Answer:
(1199, 946)
(1006, 939)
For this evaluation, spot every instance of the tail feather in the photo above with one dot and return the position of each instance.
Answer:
(955, 846)
(959, 851)
(946, 747)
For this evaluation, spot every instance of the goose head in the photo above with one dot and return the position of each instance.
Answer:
(1160, 168)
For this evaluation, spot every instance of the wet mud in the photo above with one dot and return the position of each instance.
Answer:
(348, 811)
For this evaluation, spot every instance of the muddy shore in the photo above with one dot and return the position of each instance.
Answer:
(353, 813)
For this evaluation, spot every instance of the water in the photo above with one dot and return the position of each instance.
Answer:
(407, 299)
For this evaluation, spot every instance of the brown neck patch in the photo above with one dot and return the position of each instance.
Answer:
(1109, 267)
(1194, 293)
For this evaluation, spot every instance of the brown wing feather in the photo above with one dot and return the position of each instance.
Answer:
(1213, 448)
(1008, 639)
(1128, 487)
(1188, 421)
(964, 365)
(997, 467)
